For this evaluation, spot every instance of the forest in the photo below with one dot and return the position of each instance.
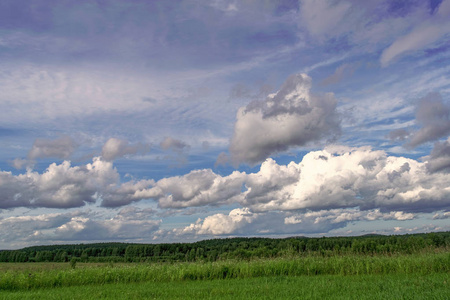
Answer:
(239, 248)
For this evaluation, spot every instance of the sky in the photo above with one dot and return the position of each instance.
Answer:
(177, 121)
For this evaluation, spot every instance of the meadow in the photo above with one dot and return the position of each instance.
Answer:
(369, 267)
(415, 276)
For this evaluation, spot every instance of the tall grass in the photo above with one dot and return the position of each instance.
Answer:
(422, 264)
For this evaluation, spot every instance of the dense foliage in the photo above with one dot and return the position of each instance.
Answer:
(232, 248)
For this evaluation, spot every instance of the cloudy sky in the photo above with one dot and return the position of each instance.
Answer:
(175, 121)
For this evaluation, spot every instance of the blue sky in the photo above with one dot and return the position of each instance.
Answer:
(176, 121)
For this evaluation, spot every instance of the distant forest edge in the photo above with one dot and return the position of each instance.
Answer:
(232, 248)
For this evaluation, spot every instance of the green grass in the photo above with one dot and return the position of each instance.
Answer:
(394, 286)
(417, 276)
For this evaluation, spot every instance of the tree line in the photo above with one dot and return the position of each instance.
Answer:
(230, 248)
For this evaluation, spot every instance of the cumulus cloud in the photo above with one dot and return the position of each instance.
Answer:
(115, 148)
(59, 186)
(434, 116)
(64, 186)
(199, 187)
(242, 221)
(271, 182)
(59, 148)
(360, 177)
(291, 117)
(334, 178)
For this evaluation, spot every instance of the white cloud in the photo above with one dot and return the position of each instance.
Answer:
(220, 224)
(291, 117)
(242, 221)
(64, 186)
(337, 177)
(360, 177)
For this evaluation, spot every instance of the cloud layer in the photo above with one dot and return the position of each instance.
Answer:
(337, 177)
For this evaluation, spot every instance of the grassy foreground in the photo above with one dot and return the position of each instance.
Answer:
(436, 286)
(418, 276)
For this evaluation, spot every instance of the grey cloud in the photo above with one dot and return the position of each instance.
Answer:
(442, 216)
(134, 213)
(15, 229)
(291, 117)
(434, 116)
(59, 148)
(19, 163)
(205, 145)
(222, 159)
(439, 158)
(199, 187)
(398, 134)
(115, 148)
(82, 227)
(174, 144)
(240, 91)
(129, 192)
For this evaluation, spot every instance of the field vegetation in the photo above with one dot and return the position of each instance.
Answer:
(388, 267)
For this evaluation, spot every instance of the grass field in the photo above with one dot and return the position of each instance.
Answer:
(418, 276)
(404, 286)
